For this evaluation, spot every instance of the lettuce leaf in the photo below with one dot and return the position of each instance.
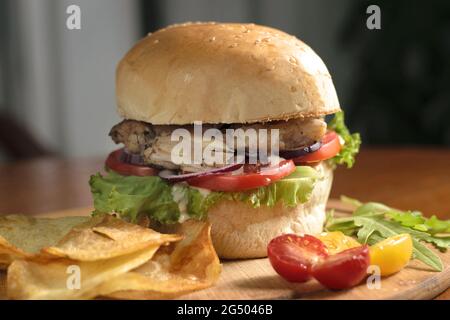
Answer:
(291, 191)
(352, 141)
(131, 196)
(198, 204)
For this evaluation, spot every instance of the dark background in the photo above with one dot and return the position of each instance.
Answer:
(57, 86)
(400, 93)
(401, 90)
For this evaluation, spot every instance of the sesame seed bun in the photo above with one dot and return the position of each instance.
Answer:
(222, 73)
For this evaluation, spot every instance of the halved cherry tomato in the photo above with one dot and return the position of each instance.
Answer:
(114, 163)
(344, 269)
(293, 256)
(244, 181)
(392, 254)
(330, 147)
(336, 241)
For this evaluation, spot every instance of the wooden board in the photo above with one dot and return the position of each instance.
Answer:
(255, 279)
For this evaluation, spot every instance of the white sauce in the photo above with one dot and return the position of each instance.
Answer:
(341, 140)
(203, 192)
(179, 196)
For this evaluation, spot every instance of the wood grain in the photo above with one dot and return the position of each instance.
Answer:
(416, 179)
(255, 278)
(407, 178)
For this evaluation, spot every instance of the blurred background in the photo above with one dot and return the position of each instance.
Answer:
(57, 85)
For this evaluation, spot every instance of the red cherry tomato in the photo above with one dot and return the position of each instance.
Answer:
(293, 256)
(114, 163)
(244, 181)
(344, 269)
(330, 147)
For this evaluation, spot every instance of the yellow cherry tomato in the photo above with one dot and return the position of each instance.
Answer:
(336, 241)
(392, 254)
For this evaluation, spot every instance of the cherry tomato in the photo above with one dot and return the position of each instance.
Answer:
(293, 256)
(392, 254)
(344, 269)
(330, 147)
(336, 241)
(244, 181)
(114, 163)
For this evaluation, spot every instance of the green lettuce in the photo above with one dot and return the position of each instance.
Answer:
(352, 141)
(291, 191)
(131, 196)
(198, 203)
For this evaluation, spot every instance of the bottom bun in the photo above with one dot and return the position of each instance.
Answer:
(241, 231)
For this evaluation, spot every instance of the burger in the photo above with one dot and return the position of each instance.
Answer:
(225, 76)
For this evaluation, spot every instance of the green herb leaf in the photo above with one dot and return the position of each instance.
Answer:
(426, 255)
(346, 225)
(387, 229)
(437, 226)
(415, 220)
(351, 141)
(371, 209)
(372, 222)
(408, 218)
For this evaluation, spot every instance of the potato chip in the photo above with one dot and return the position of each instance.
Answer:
(189, 265)
(5, 260)
(105, 256)
(23, 236)
(106, 237)
(65, 279)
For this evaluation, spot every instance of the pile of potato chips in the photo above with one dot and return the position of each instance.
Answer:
(103, 256)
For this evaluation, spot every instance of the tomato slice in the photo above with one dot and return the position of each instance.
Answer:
(244, 181)
(330, 148)
(336, 241)
(344, 269)
(114, 163)
(392, 254)
(293, 256)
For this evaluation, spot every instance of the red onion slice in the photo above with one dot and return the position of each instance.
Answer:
(171, 176)
(294, 153)
(131, 158)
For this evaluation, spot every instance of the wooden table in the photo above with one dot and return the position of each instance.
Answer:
(406, 178)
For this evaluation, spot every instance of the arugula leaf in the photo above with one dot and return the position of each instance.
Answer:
(372, 222)
(424, 254)
(345, 224)
(387, 229)
(420, 252)
(437, 226)
(351, 141)
(371, 209)
(415, 220)
(407, 219)
(440, 243)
